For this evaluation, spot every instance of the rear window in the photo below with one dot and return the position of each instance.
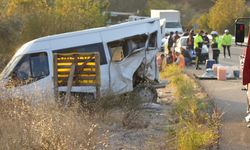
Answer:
(98, 47)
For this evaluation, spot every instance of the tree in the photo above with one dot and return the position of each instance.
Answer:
(24, 20)
(159, 4)
(224, 12)
(202, 22)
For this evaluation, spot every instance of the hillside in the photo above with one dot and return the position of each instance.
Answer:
(133, 6)
(127, 5)
(188, 8)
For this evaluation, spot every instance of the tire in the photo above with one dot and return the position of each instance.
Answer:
(146, 93)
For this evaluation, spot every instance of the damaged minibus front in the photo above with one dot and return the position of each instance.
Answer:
(127, 58)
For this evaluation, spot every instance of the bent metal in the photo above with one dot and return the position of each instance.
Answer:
(127, 54)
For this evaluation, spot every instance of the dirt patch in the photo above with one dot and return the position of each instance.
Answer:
(142, 128)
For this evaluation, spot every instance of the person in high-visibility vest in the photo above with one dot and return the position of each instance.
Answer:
(226, 42)
(216, 46)
(198, 43)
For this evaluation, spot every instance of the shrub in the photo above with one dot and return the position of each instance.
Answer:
(195, 137)
(170, 71)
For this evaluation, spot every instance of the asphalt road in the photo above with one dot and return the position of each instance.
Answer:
(232, 102)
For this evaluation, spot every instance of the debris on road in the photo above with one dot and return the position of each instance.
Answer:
(220, 72)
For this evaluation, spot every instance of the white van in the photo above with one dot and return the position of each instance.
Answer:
(127, 56)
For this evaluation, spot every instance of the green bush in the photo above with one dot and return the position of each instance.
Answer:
(24, 20)
(170, 71)
(195, 137)
(184, 86)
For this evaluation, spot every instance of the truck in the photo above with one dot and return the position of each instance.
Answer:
(127, 61)
(172, 19)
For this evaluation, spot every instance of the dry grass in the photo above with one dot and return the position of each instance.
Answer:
(192, 136)
(47, 126)
(50, 126)
(196, 128)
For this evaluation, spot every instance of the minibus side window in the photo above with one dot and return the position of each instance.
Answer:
(98, 47)
(120, 49)
(22, 70)
(39, 65)
(153, 40)
(31, 67)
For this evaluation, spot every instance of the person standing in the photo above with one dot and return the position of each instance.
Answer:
(198, 43)
(190, 45)
(169, 50)
(227, 42)
(170, 42)
(246, 76)
(206, 42)
(190, 42)
(206, 39)
(215, 45)
(161, 61)
(176, 36)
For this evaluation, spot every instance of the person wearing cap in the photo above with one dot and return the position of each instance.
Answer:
(198, 43)
(180, 60)
(215, 45)
(226, 42)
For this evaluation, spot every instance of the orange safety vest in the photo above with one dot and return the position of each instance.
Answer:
(182, 61)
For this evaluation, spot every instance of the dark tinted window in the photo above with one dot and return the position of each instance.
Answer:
(153, 40)
(173, 25)
(39, 65)
(87, 48)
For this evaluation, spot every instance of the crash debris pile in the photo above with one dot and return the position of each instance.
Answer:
(220, 72)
